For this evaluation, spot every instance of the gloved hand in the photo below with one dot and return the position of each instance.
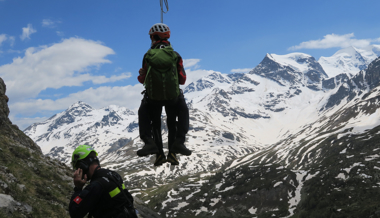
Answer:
(142, 71)
(79, 179)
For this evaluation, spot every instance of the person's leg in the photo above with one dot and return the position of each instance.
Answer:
(182, 127)
(156, 111)
(172, 113)
(144, 119)
(171, 120)
(183, 119)
(145, 129)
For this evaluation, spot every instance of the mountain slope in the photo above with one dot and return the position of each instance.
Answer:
(230, 116)
(31, 184)
(278, 128)
(330, 168)
(106, 129)
(343, 183)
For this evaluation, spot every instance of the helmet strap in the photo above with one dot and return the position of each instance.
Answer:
(156, 38)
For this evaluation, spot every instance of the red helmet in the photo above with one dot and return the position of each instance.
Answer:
(160, 29)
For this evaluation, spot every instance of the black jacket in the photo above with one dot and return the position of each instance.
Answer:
(102, 197)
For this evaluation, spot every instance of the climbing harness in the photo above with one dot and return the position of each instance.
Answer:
(162, 9)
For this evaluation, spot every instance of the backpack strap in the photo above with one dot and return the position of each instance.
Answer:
(116, 191)
(147, 72)
(104, 178)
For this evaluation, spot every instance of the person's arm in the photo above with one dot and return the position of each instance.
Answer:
(82, 201)
(142, 71)
(181, 71)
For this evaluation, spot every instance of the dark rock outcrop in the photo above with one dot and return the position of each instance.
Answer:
(357, 85)
(4, 110)
(31, 184)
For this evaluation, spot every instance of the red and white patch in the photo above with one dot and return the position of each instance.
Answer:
(77, 200)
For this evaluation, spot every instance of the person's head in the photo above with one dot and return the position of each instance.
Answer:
(85, 158)
(159, 31)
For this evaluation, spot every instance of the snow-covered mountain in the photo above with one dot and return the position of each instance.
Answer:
(281, 122)
(106, 129)
(329, 167)
(249, 110)
(292, 69)
(280, 94)
(349, 60)
(230, 116)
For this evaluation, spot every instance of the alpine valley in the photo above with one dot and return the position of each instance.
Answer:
(294, 137)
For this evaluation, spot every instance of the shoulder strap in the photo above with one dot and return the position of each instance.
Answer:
(120, 188)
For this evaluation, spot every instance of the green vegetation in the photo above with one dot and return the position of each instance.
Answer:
(32, 179)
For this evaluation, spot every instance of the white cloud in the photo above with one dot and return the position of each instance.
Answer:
(50, 23)
(62, 64)
(243, 70)
(5, 37)
(14, 51)
(188, 63)
(47, 23)
(11, 40)
(194, 75)
(127, 96)
(103, 79)
(60, 33)
(333, 41)
(27, 31)
(24, 122)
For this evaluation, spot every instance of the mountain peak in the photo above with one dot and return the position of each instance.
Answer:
(349, 60)
(297, 61)
(291, 69)
(116, 108)
(80, 104)
(350, 50)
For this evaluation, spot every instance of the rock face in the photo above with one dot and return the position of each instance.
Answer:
(291, 69)
(350, 88)
(4, 110)
(31, 185)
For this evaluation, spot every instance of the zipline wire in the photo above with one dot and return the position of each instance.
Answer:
(162, 9)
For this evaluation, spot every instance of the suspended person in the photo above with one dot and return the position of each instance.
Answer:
(162, 72)
(105, 196)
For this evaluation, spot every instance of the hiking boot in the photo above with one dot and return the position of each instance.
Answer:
(180, 148)
(172, 159)
(148, 149)
(160, 159)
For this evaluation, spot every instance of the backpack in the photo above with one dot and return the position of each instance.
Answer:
(118, 202)
(161, 81)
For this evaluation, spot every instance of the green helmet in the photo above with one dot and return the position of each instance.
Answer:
(80, 153)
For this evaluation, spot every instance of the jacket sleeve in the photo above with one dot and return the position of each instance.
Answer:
(82, 201)
(181, 70)
(141, 78)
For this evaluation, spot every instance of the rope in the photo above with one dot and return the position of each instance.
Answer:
(162, 9)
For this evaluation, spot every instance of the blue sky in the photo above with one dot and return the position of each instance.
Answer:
(54, 53)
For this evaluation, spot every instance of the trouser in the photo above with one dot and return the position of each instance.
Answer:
(150, 120)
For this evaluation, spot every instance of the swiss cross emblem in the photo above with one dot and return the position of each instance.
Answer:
(77, 200)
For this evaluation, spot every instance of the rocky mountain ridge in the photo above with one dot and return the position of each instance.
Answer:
(330, 168)
(293, 119)
(349, 60)
(31, 184)
(285, 92)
